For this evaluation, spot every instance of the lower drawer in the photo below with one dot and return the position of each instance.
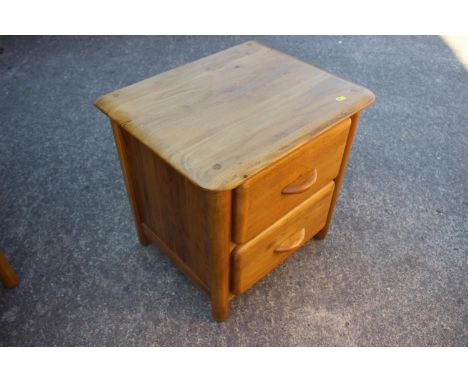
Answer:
(256, 258)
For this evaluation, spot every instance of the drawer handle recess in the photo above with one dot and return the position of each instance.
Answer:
(292, 242)
(302, 184)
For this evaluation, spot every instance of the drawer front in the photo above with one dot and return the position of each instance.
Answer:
(270, 194)
(253, 260)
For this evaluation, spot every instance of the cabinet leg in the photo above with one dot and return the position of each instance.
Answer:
(7, 275)
(141, 237)
(220, 309)
(218, 229)
(323, 233)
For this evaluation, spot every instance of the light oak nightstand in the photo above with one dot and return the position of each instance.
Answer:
(234, 161)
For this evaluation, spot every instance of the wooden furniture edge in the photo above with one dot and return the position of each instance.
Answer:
(219, 236)
(339, 179)
(129, 184)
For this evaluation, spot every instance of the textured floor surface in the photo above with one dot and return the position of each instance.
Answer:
(393, 270)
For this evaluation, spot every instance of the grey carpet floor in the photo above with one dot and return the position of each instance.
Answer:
(393, 270)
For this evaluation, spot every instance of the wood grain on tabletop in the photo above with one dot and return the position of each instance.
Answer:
(220, 119)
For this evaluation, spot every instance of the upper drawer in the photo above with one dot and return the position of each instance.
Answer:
(267, 196)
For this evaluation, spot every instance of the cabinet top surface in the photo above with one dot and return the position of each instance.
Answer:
(221, 119)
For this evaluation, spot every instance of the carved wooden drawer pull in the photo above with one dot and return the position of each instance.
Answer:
(302, 184)
(292, 243)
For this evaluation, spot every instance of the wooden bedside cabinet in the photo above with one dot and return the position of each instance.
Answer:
(234, 161)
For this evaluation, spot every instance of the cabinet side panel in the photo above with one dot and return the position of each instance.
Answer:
(173, 208)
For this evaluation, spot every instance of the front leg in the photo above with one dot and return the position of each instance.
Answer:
(219, 236)
(7, 275)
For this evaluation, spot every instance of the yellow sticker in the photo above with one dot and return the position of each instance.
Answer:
(340, 98)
